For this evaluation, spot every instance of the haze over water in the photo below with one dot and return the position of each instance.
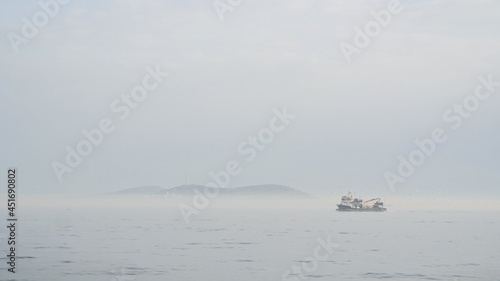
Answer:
(137, 241)
(119, 116)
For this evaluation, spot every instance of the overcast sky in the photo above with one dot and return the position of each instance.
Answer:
(227, 76)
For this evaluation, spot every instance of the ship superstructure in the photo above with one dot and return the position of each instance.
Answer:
(350, 203)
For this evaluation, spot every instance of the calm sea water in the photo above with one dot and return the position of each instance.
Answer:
(253, 244)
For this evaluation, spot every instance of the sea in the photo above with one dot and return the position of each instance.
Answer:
(154, 242)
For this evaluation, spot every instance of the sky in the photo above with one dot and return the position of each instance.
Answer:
(229, 72)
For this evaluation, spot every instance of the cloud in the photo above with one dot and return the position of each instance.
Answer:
(226, 76)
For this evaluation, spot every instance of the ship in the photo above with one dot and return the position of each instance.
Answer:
(351, 204)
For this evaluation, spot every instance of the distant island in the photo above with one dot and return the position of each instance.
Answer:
(271, 191)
